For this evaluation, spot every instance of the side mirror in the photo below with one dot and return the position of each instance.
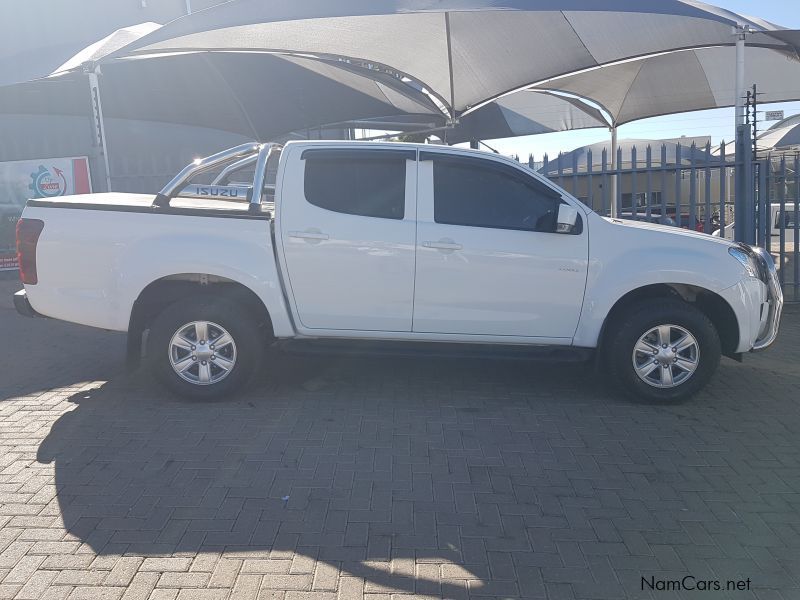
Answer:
(567, 218)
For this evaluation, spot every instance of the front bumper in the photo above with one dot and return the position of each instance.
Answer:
(23, 305)
(769, 275)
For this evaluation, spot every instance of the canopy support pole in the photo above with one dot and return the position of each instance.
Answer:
(614, 167)
(453, 115)
(98, 121)
(740, 32)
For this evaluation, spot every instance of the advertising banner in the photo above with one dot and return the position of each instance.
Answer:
(43, 178)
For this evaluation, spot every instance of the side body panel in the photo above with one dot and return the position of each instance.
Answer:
(93, 264)
(344, 272)
(494, 281)
(628, 255)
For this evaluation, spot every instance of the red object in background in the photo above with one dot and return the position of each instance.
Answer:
(686, 222)
(80, 176)
(28, 232)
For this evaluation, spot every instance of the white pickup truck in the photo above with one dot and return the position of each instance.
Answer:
(373, 247)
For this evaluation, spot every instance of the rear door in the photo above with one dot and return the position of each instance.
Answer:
(347, 224)
(488, 263)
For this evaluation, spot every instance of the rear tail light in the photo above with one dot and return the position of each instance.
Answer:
(699, 226)
(28, 231)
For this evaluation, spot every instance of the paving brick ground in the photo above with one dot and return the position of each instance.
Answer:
(388, 479)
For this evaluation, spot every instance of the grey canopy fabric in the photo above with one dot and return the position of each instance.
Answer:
(682, 81)
(465, 52)
(111, 43)
(525, 113)
(255, 95)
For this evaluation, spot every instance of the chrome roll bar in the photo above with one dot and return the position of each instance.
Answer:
(233, 167)
(260, 175)
(241, 156)
(199, 166)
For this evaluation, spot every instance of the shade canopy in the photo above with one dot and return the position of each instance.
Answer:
(255, 95)
(682, 81)
(465, 52)
(786, 122)
(780, 138)
(260, 94)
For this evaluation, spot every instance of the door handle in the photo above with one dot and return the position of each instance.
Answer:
(442, 245)
(309, 235)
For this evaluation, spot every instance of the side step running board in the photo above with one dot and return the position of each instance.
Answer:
(349, 347)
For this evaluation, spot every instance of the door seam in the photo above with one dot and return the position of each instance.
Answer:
(416, 240)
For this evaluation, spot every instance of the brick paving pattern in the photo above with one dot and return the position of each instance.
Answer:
(378, 479)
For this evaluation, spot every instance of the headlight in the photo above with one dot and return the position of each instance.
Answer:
(747, 261)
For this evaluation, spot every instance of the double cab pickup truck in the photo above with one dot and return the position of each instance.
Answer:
(387, 247)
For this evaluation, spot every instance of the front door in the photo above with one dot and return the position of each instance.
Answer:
(488, 262)
(347, 221)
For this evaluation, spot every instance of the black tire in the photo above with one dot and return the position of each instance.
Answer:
(625, 333)
(234, 318)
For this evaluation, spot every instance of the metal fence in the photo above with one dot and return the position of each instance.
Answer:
(692, 187)
(778, 217)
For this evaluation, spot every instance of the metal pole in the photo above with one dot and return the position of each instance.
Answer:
(744, 205)
(614, 167)
(188, 7)
(99, 122)
(755, 121)
(740, 33)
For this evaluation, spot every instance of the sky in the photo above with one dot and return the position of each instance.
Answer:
(719, 123)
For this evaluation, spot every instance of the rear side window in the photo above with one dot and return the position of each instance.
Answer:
(475, 193)
(369, 184)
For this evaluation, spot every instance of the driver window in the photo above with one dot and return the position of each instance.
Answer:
(476, 193)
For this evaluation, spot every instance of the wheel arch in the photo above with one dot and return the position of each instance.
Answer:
(716, 308)
(165, 291)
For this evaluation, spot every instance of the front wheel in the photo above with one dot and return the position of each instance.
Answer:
(665, 350)
(204, 348)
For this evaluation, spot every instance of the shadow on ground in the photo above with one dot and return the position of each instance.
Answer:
(517, 478)
(41, 354)
(353, 462)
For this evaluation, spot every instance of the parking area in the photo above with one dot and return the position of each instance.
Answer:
(390, 478)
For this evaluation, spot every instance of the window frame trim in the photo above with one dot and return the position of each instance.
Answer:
(384, 153)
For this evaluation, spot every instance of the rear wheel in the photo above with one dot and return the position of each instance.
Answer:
(666, 350)
(204, 348)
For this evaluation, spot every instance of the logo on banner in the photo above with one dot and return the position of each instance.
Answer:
(47, 183)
